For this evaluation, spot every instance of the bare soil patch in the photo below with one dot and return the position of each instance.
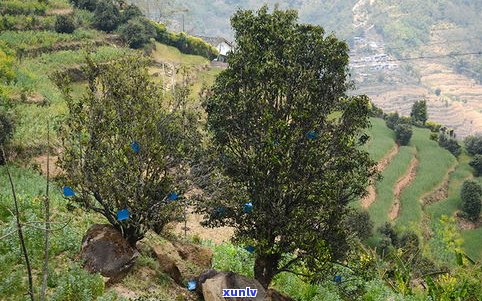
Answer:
(54, 170)
(441, 192)
(401, 184)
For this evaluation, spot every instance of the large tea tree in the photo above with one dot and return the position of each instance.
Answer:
(125, 149)
(288, 156)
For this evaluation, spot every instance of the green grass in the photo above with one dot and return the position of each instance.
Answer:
(381, 139)
(173, 55)
(473, 243)
(380, 208)
(434, 163)
(450, 205)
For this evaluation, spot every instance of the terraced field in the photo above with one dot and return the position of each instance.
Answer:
(420, 184)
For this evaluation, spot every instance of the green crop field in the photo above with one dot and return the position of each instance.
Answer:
(381, 139)
(434, 163)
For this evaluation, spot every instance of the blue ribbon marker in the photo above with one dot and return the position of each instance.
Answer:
(191, 285)
(311, 135)
(172, 196)
(68, 192)
(136, 147)
(248, 207)
(337, 279)
(250, 249)
(123, 214)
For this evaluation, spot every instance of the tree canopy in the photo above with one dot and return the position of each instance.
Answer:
(286, 139)
(125, 149)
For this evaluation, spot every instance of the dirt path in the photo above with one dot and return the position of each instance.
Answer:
(370, 198)
(401, 184)
(441, 192)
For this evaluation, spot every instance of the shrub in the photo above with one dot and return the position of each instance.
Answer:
(13, 7)
(359, 222)
(473, 144)
(450, 144)
(131, 12)
(470, 194)
(106, 16)
(137, 32)
(434, 127)
(6, 67)
(78, 285)
(6, 128)
(64, 24)
(403, 133)
(391, 120)
(419, 112)
(476, 164)
(89, 5)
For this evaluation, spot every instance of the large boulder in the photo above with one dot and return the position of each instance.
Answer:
(105, 251)
(213, 288)
(166, 264)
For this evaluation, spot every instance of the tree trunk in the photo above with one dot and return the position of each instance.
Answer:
(265, 268)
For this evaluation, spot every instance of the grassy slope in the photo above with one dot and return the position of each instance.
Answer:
(381, 139)
(434, 163)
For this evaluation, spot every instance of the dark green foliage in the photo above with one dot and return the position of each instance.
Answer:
(277, 146)
(121, 107)
(130, 12)
(419, 112)
(185, 43)
(78, 285)
(403, 133)
(473, 144)
(11, 7)
(451, 144)
(64, 24)
(89, 5)
(391, 120)
(376, 111)
(137, 32)
(106, 16)
(360, 224)
(471, 194)
(476, 164)
(6, 127)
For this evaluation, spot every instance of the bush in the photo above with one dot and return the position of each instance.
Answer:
(476, 164)
(473, 144)
(391, 120)
(6, 67)
(450, 144)
(403, 133)
(419, 112)
(470, 194)
(106, 16)
(434, 127)
(78, 285)
(64, 24)
(89, 5)
(6, 128)
(13, 7)
(359, 222)
(137, 32)
(131, 12)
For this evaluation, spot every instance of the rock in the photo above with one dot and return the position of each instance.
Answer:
(196, 254)
(272, 295)
(212, 288)
(105, 251)
(167, 265)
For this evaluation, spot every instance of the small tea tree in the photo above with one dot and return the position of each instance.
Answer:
(123, 148)
(471, 195)
(287, 144)
(419, 112)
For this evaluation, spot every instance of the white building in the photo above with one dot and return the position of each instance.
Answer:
(221, 44)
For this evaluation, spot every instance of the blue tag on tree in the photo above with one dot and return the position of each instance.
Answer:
(135, 146)
(191, 285)
(68, 192)
(172, 196)
(250, 249)
(312, 135)
(123, 214)
(248, 207)
(337, 279)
